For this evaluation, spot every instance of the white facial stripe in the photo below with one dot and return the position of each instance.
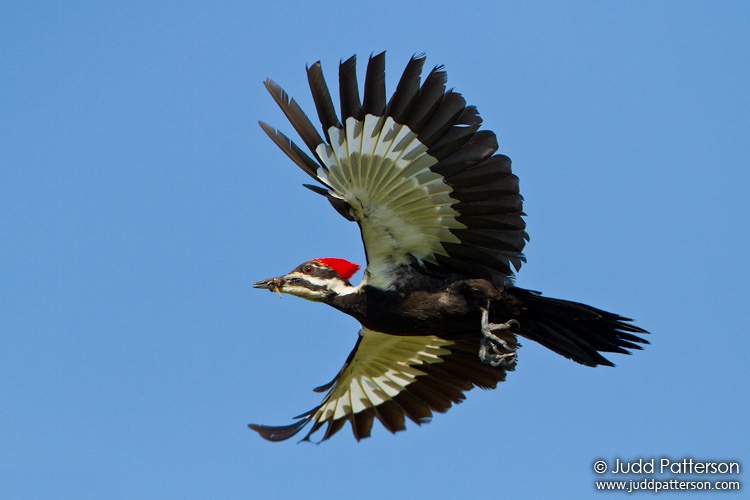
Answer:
(335, 284)
(303, 292)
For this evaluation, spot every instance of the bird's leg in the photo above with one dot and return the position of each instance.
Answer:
(492, 349)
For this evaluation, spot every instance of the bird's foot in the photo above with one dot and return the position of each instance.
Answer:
(493, 350)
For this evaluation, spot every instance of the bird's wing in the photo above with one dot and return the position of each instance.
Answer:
(391, 377)
(417, 174)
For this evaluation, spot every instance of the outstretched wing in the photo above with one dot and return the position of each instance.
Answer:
(391, 377)
(417, 174)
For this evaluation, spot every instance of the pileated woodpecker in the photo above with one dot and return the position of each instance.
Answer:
(441, 220)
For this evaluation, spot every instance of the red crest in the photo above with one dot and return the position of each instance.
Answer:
(343, 267)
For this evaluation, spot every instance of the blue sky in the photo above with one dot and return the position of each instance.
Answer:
(140, 200)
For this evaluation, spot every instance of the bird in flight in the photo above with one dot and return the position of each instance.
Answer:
(441, 219)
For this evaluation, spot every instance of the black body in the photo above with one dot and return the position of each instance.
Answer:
(452, 309)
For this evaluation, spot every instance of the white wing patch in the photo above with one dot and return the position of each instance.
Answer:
(382, 170)
(382, 367)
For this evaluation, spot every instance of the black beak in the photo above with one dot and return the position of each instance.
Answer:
(272, 284)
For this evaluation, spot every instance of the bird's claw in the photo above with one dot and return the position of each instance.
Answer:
(493, 350)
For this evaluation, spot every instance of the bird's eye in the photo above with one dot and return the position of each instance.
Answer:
(307, 269)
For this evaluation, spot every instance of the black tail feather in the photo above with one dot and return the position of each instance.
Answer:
(576, 331)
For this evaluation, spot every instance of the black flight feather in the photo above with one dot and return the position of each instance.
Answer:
(406, 90)
(427, 101)
(495, 221)
(449, 110)
(349, 90)
(296, 116)
(455, 138)
(341, 206)
(416, 409)
(322, 98)
(391, 415)
(374, 97)
(478, 148)
(299, 157)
